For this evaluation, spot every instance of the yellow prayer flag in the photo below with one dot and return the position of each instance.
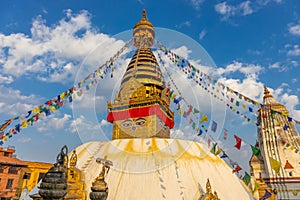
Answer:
(285, 114)
(4, 138)
(173, 96)
(219, 150)
(180, 112)
(292, 148)
(256, 186)
(74, 95)
(204, 118)
(62, 95)
(197, 128)
(36, 110)
(244, 106)
(24, 124)
(275, 164)
(52, 109)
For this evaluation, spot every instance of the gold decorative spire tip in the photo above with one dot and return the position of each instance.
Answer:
(144, 15)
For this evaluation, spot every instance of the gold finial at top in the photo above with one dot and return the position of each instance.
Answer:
(144, 15)
(267, 92)
(143, 32)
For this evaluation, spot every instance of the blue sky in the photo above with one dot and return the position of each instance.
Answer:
(44, 46)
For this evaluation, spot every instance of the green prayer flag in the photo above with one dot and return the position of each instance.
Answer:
(194, 125)
(246, 178)
(255, 150)
(171, 93)
(196, 111)
(273, 112)
(237, 103)
(213, 149)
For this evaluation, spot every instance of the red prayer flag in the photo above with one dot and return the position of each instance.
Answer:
(238, 142)
(236, 169)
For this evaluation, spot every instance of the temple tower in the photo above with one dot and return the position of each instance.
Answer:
(278, 165)
(141, 107)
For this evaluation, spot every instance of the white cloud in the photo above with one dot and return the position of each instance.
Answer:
(202, 34)
(24, 140)
(184, 24)
(275, 65)
(82, 124)
(224, 9)
(55, 52)
(6, 79)
(182, 51)
(293, 50)
(246, 8)
(242, 9)
(13, 102)
(249, 70)
(53, 123)
(104, 123)
(196, 3)
(295, 29)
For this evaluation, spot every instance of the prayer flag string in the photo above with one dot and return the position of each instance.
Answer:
(52, 105)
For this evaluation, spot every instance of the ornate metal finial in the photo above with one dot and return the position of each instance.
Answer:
(144, 15)
(266, 92)
(99, 187)
(143, 32)
(54, 183)
(209, 195)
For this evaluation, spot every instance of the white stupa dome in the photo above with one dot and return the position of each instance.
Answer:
(157, 168)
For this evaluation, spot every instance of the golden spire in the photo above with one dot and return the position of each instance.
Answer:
(270, 101)
(267, 93)
(143, 32)
(141, 107)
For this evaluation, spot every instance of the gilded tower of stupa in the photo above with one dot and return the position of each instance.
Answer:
(141, 107)
(277, 168)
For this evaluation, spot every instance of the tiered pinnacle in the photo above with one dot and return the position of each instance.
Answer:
(277, 139)
(141, 107)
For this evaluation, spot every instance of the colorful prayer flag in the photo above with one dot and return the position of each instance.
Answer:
(237, 169)
(246, 178)
(256, 186)
(196, 111)
(176, 101)
(266, 195)
(6, 124)
(200, 132)
(225, 134)
(204, 118)
(255, 151)
(213, 149)
(214, 126)
(224, 155)
(188, 112)
(219, 150)
(275, 165)
(238, 142)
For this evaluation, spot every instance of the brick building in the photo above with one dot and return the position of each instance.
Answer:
(10, 168)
